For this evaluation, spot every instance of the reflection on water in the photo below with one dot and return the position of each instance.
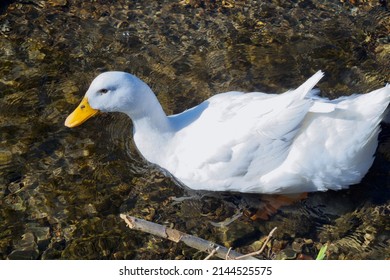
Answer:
(61, 190)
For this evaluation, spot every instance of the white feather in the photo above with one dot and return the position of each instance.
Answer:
(254, 142)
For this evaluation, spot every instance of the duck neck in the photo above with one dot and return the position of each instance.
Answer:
(151, 129)
(155, 123)
(150, 116)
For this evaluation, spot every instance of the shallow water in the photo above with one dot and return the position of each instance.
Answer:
(62, 190)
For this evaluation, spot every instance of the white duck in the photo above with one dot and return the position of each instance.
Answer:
(249, 142)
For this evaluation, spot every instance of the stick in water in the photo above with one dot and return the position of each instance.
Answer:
(177, 236)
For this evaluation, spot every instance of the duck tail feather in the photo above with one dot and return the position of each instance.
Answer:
(305, 89)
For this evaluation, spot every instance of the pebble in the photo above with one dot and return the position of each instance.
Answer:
(56, 3)
(5, 157)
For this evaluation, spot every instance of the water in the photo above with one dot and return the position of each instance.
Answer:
(62, 190)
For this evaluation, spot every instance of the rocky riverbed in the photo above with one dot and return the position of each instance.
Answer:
(62, 190)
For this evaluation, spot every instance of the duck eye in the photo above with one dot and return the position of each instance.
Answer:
(103, 91)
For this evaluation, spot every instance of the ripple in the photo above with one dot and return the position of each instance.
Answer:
(61, 189)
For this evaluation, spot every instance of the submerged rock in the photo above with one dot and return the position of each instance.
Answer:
(27, 249)
(63, 190)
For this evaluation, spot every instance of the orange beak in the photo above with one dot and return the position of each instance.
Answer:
(82, 113)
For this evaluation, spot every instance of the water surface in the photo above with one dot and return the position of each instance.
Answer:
(62, 190)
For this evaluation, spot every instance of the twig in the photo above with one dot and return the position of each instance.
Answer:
(213, 252)
(227, 221)
(227, 254)
(177, 236)
(262, 247)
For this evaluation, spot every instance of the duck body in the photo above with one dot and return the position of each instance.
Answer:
(250, 142)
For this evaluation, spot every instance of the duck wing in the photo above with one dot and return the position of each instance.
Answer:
(236, 136)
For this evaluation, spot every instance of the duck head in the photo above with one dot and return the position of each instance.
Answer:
(112, 92)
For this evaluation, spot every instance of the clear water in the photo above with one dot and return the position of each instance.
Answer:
(62, 190)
